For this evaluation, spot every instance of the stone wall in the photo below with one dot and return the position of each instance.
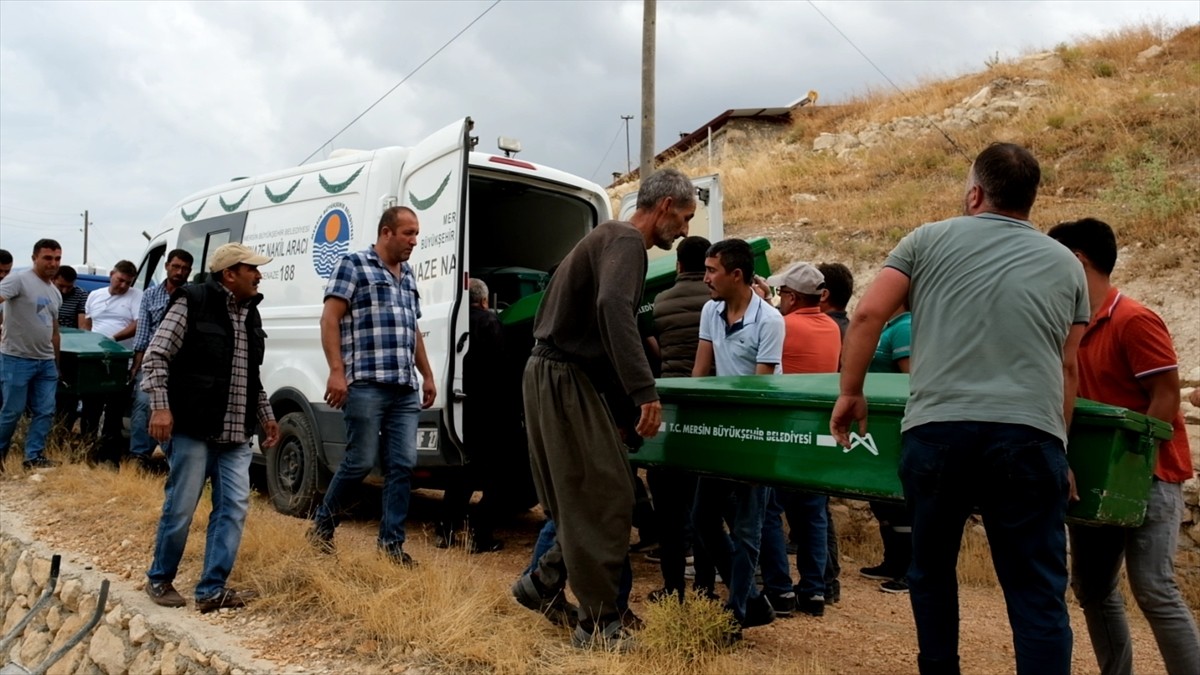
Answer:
(128, 639)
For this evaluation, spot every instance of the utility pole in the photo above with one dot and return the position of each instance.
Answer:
(649, 12)
(85, 235)
(628, 161)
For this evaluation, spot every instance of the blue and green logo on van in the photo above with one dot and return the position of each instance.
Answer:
(331, 238)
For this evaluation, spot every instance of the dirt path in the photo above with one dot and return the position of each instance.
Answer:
(868, 632)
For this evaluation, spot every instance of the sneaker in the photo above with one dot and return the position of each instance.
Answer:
(812, 606)
(164, 594)
(894, 586)
(653, 555)
(758, 612)
(39, 463)
(612, 637)
(783, 603)
(833, 598)
(397, 555)
(485, 545)
(632, 621)
(320, 540)
(878, 572)
(227, 598)
(555, 608)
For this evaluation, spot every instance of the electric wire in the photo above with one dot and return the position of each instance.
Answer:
(889, 80)
(3, 207)
(607, 152)
(402, 81)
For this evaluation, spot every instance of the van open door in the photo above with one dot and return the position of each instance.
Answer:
(433, 184)
(709, 221)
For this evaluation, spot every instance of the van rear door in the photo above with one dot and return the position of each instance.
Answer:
(709, 221)
(433, 184)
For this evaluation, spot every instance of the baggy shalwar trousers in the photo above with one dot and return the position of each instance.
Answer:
(581, 473)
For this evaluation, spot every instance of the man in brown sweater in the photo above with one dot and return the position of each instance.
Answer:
(587, 343)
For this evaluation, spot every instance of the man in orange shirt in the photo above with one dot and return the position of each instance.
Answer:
(1127, 359)
(812, 343)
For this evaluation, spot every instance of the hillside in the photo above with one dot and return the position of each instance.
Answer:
(1114, 121)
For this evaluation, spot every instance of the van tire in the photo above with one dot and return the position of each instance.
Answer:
(292, 466)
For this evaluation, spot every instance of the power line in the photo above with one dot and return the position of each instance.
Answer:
(889, 80)
(40, 213)
(414, 72)
(606, 152)
(39, 224)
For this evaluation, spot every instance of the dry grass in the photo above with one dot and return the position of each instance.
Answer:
(449, 613)
(1117, 138)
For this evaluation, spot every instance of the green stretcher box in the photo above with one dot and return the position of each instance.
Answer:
(660, 275)
(90, 363)
(774, 429)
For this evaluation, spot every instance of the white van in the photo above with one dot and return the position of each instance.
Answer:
(501, 219)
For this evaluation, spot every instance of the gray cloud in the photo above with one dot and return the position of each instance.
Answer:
(125, 108)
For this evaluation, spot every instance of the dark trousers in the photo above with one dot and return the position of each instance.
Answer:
(895, 529)
(582, 475)
(674, 494)
(1017, 477)
(112, 406)
(735, 554)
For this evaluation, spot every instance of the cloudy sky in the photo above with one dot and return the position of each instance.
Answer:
(125, 108)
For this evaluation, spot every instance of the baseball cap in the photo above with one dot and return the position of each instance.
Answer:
(228, 255)
(800, 277)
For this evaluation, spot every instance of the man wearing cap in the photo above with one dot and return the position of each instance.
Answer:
(201, 371)
(374, 350)
(812, 343)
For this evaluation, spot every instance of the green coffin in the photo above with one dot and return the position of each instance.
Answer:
(90, 363)
(775, 430)
(660, 275)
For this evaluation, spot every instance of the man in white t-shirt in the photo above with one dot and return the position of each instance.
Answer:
(112, 312)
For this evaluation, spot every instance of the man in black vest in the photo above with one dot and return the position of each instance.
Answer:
(201, 371)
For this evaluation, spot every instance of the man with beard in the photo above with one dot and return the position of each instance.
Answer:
(588, 342)
(150, 315)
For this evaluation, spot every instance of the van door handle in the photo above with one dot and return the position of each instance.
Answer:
(459, 395)
(462, 342)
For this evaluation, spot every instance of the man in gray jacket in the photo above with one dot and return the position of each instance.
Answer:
(587, 342)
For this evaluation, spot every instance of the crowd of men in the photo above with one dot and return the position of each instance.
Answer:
(999, 325)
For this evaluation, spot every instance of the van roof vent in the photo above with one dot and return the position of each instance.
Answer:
(344, 152)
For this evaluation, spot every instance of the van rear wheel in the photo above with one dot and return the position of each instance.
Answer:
(292, 466)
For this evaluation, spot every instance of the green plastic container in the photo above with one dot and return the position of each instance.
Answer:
(660, 275)
(90, 363)
(774, 429)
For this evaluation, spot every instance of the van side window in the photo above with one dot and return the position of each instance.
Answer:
(151, 272)
(202, 237)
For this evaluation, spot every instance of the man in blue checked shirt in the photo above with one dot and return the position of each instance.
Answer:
(150, 314)
(374, 350)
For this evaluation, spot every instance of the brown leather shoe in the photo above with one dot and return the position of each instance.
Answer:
(226, 598)
(164, 594)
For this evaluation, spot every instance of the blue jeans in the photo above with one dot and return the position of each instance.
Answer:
(1148, 552)
(141, 443)
(809, 522)
(1017, 477)
(377, 416)
(545, 541)
(735, 555)
(32, 382)
(193, 461)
